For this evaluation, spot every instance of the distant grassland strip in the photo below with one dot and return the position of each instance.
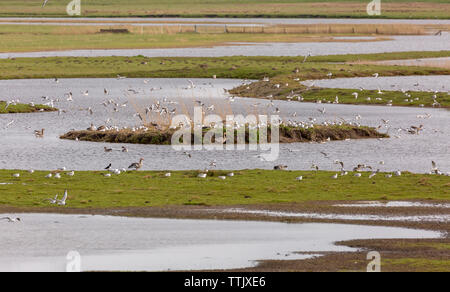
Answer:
(230, 8)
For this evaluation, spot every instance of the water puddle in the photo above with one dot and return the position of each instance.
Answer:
(41, 242)
(394, 204)
(356, 217)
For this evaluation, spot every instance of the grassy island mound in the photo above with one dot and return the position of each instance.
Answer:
(20, 108)
(288, 134)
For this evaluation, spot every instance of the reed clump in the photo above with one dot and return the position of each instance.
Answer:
(321, 29)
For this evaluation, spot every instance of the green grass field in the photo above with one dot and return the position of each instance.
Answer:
(223, 67)
(229, 8)
(21, 38)
(23, 108)
(92, 189)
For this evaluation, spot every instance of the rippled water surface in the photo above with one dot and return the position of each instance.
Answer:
(141, 20)
(19, 149)
(41, 242)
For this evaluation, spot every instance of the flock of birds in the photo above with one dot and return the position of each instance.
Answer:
(360, 168)
(166, 107)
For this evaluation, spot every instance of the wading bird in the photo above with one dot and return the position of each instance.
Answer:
(39, 134)
(137, 165)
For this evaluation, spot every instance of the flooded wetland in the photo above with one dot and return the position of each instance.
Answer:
(322, 190)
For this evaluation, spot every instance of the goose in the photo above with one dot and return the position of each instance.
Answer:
(124, 149)
(137, 165)
(62, 202)
(280, 167)
(11, 220)
(39, 134)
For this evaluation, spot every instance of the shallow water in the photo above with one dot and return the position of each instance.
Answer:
(167, 20)
(19, 149)
(443, 218)
(41, 242)
(394, 204)
(396, 44)
(433, 83)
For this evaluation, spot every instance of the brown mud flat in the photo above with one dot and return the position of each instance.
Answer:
(397, 255)
(286, 135)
